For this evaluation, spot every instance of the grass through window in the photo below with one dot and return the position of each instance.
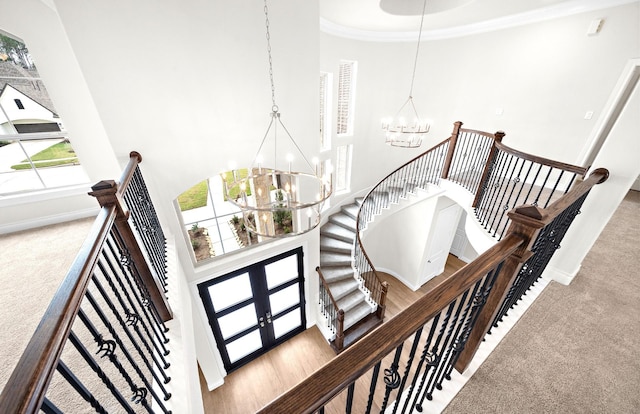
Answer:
(194, 197)
(58, 154)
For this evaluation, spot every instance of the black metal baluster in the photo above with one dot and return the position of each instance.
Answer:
(124, 264)
(49, 408)
(372, 386)
(510, 202)
(466, 304)
(132, 320)
(391, 378)
(445, 349)
(483, 210)
(350, 392)
(407, 369)
(421, 361)
(523, 180)
(108, 347)
(494, 189)
(79, 387)
(478, 300)
(432, 357)
(131, 311)
(99, 372)
(125, 351)
(543, 186)
(533, 183)
(499, 207)
(122, 256)
(555, 186)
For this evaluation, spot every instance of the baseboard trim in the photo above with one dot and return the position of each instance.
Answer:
(559, 275)
(397, 276)
(48, 220)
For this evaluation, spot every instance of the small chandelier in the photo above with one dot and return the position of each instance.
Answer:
(406, 129)
(277, 202)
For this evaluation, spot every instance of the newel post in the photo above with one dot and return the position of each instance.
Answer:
(382, 306)
(107, 194)
(497, 137)
(453, 140)
(526, 222)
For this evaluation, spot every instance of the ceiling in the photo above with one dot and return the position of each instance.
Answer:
(400, 19)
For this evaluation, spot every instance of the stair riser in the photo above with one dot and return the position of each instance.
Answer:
(346, 239)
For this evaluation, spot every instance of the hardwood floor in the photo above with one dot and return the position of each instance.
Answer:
(254, 385)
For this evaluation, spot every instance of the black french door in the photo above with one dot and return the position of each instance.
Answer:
(254, 309)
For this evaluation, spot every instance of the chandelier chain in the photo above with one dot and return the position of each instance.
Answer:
(273, 88)
(415, 62)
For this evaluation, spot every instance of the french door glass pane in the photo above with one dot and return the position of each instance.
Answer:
(281, 271)
(284, 299)
(244, 345)
(237, 321)
(230, 292)
(287, 323)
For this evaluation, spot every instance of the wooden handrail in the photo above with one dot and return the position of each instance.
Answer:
(134, 159)
(25, 390)
(527, 221)
(541, 160)
(358, 240)
(316, 390)
(546, 215)
(326, 285)
(339, 341)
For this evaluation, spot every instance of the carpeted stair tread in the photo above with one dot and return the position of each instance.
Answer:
(328, 259)
(334, 274)
(359, 200)
(351, 210)
(356, 314)
(343, 220)
(329, 244)
(342, 288)
(350, 300)
(338, 232)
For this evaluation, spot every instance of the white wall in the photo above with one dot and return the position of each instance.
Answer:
(397, 239)
(44, 35)
(544, 76)
(184, 83)
(620, 154)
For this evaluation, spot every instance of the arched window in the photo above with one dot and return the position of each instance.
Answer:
(35, 149)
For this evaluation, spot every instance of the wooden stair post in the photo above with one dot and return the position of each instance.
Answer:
(526, 223)
(106, 192)
(453, 140)
(498, 136)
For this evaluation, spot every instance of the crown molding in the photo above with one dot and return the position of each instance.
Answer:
(565, 9)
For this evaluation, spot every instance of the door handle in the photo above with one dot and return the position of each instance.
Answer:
(261, 320)
(268, 317)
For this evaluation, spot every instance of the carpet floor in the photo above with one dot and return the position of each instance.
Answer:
(577, 348)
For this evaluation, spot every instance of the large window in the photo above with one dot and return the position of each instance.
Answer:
(346, 97)
(343, 167)
(35, 150)
(325, 111)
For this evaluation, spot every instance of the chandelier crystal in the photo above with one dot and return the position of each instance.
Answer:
(406, 129)
(275, 201)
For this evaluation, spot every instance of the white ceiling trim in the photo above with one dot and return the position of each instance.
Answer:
(534, 16)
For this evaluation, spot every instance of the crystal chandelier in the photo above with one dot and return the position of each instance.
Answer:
(406, 129)
(278, 202)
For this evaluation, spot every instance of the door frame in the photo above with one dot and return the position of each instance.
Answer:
(259, 287)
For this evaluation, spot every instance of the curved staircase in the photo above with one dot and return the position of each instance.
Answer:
(337, 238)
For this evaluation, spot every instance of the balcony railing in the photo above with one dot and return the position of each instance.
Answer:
(101, 344)
(422, 345)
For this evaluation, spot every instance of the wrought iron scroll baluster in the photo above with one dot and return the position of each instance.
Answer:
(69, 376)
(77, 344)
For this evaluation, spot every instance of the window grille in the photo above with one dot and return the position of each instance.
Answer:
(346, 94)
